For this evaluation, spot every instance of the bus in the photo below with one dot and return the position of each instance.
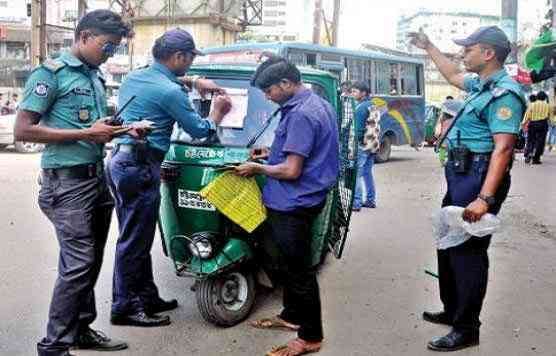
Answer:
(396, 81)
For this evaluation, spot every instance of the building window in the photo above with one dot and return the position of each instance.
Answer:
(16, 50)
(3, 4)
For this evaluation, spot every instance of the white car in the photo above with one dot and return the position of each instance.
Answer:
(7, 138)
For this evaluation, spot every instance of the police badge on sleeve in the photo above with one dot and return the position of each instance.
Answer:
(41, 89)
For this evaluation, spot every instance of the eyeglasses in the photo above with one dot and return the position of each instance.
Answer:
(110, 49)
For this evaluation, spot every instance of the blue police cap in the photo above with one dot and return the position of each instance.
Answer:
(179, 39)
(491, 35)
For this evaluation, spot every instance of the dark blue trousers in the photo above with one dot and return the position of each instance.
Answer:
(135, 185)
(80, 210)
(463, 269)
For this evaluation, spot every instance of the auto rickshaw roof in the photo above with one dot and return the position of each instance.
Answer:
(247, 69)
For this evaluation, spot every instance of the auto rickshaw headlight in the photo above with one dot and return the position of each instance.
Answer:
(201, 248)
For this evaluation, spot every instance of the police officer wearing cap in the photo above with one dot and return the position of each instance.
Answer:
(134, 170)
(480, 141)
(62, 106)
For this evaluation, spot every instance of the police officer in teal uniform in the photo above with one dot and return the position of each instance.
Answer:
(64, 106)
(134, 170)
(480, 154)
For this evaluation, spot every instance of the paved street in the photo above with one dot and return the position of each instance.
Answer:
(372, 298)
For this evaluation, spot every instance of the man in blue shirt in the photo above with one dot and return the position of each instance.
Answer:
(63, 106)
(365, 154)
(134, 171)
(303, 165)
(480, 151)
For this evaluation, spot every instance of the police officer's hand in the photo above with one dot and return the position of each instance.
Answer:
(475, 211)
(101, 132)
(419, 39)
(205, 86)
(247, 169)
(259, 153)
(222, 106)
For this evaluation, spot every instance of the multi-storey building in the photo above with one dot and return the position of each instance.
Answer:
(286, 20)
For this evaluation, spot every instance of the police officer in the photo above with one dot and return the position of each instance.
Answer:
(63, 105)
(134, 170)
(480, 141)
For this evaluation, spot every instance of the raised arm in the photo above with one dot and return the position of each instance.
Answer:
(448, 68)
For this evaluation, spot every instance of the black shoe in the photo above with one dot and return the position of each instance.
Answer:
(537, 162)
(370, 205)
(455, 340)
(139, 319)
(356, 208)
(527, 160)
(160, 306)
(96, 340)
(437, 318)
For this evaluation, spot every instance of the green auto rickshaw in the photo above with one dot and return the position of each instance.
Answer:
(205, 245)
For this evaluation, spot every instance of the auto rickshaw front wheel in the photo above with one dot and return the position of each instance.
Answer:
(226, 299)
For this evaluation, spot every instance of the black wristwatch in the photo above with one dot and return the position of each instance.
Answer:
(490, 200)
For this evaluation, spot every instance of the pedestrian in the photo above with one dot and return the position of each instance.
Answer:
(345, 89)
(63, 106)
(368, 137)
(480, 144)
(552, 132)
(134, 171)
(11, 104)
(303, 165)
(536, 119)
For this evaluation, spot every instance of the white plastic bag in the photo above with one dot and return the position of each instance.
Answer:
(450, 230)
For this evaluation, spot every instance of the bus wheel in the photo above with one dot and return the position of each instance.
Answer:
(383, 154)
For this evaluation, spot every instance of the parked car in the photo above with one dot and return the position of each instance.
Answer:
(7, 138)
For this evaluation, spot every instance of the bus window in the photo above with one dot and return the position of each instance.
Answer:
(408, 79)
(296, 57)
(382, 78)
(358, 70)
(394, 76)
(311, 59)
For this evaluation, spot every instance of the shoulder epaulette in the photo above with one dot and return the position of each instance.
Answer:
(53, 65)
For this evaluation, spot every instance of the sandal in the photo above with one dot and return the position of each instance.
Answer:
(274, 323)
(294, 348)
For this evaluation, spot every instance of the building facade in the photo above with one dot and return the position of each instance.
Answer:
(286, 20)
(442, 28)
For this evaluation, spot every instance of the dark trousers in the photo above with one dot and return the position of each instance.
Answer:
(463, 269)
(536, 139)
(80, 210)
(291, 232)
(135, 185)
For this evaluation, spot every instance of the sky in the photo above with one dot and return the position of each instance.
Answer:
(375, 21)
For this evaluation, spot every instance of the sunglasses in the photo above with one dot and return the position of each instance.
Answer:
(109, 49)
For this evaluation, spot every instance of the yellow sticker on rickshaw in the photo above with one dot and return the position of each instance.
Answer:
(504, 113)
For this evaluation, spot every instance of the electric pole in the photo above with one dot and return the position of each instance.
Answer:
(509, 25)
(38, 32)
(336, 23)
(81, 8)
(317, 21)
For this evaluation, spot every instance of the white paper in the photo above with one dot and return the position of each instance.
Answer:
(236, 117)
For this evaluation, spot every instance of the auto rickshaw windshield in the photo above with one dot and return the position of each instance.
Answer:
(249, 115)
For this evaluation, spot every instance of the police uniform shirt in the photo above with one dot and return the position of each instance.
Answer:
(161, 98)
(495, 105)
(69, 95)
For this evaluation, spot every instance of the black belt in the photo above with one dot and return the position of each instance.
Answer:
(474, 157)
(84, 171)
(155, 153)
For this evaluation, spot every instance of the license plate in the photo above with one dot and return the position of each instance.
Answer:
(189, 199)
